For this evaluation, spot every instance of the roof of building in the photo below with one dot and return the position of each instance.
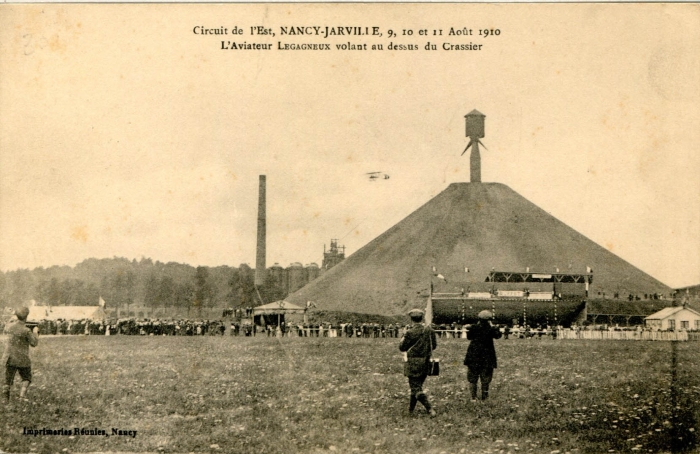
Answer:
(278, 307)
(38, 313)
(669, 311)
(475, 112)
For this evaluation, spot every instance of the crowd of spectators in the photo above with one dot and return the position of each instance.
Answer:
(186, 327)
(130, 326)
(320, 329)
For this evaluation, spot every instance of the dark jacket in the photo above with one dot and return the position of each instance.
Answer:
(418, 342)
(19, 338)
(481, 352)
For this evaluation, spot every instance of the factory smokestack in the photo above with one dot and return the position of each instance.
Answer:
(260, 253)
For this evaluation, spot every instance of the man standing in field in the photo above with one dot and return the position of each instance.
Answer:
(481, 354)
(418, 342)
(15, 357)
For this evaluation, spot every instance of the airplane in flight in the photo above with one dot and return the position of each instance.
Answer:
(373, 176)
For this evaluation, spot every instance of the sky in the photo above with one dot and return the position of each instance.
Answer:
(123, 133)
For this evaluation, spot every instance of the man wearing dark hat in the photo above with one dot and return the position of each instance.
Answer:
(481, 354)
(418, 342)
(15, 357)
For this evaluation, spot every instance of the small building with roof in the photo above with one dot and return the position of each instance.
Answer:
(274, 313)
(39, 313)
(674, 318)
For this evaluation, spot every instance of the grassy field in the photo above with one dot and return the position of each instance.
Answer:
(237, 394)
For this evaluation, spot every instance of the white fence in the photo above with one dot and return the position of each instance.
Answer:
(623, 335)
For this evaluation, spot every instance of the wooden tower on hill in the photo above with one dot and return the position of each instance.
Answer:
(475, 131)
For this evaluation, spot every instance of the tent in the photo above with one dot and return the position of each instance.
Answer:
(278, 308)
(39, 313)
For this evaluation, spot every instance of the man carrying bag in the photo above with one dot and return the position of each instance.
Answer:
(418, 343)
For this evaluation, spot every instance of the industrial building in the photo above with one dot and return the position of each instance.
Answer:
(334, 255)
(284, 280)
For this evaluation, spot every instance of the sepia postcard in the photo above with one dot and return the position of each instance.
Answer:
(220, 215)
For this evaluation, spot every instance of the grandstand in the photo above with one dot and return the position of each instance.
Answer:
(529, 299)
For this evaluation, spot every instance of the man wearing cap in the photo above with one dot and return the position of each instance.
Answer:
(418, 342)
(481, 354)
(15, 357)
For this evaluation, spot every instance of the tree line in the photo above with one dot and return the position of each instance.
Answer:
(123, 283)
